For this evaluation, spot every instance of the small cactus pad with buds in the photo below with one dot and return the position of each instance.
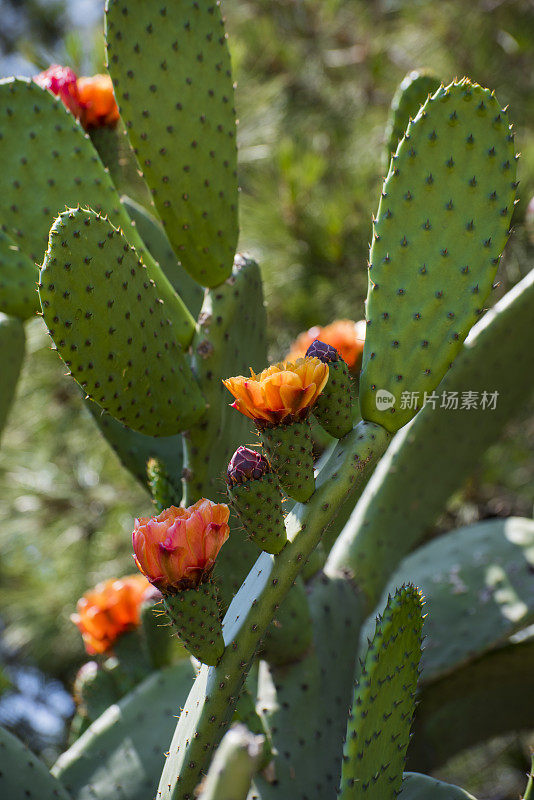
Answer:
(279, 401)
(441, 226)
(255, 494)
(333, 407)
(378, 729)
(183, 129)
(195, 615)
(119, 331)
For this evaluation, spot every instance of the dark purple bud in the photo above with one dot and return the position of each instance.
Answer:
(324, 352)
(246, 465)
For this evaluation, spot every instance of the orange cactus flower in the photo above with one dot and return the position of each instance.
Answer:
(99, 107)
(108, 610)
(281, 392)
(177, 549)
(346, 336)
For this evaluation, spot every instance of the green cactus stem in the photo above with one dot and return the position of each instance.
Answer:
(289, 447)
(423, 787)
(333, 407)
(23, 776)
(195, 615)
(120, 755)
(431, 459)
(255, 494)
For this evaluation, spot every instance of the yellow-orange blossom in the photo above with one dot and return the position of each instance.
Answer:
(281, 392)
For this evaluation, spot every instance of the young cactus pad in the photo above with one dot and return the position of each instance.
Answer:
(118, 331)
(378, 730)
(441, 225)
(170, 65)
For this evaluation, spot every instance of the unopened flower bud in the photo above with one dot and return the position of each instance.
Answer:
(246, 464)
(324, 352)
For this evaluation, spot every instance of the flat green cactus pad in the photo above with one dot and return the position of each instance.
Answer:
(411, 94)
(502, 676)
(478, 586)
(423, 787)
(122, 753)
(170, 66)
(23, 776)
(378, 729)
(441, 225)
(48, 164)
(18, 280)
(116, 329)
(155, 238)
(12, 349)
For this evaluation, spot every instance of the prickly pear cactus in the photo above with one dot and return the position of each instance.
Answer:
(151, 309)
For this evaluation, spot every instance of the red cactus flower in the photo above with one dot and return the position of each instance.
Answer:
(61, 81)
(177, 549)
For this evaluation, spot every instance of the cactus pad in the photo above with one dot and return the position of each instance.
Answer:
(116, 329)
(23, 776)
(48, 163)
(170, 66)
(378, 729)
(423, 787)
(481, 572)
(122, 753)
(195, 614)
(12, 349)
(255, 495)
(290, 452)
(411, 94)
(441, 225)
(18, 280)
(155, 238)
